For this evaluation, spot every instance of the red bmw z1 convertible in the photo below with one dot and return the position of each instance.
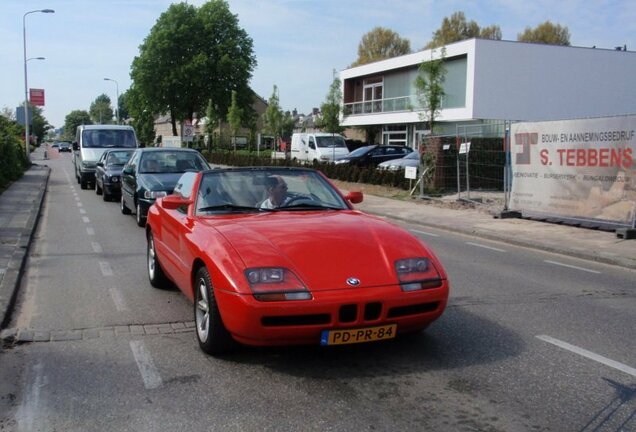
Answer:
(277, 256)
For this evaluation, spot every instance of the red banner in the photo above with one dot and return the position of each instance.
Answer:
(36, 97)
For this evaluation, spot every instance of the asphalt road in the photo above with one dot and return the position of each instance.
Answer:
(530, 342)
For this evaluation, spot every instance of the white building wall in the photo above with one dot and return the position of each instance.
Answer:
(524, 81)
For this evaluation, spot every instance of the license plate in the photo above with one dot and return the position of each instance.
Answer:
(359, 335)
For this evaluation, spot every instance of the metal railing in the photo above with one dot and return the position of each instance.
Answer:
(397, 104)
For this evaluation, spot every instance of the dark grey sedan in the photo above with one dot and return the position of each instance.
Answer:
(152, 173)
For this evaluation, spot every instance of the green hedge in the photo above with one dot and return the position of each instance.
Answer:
(13, 161)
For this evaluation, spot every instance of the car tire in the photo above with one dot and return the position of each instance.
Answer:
(83, 183)
(211, 333)
(141, 219)
(122, 206)
(156, 275)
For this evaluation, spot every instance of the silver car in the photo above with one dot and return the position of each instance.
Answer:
(410, 160)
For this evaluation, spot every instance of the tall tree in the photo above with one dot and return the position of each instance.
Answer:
(185, 48)
(142, 117)
(40, 124)
(101, 111)
(546, 33)
(273, 116)
(456, 28)
(234, 116)
(379, 44)
(73, 120)
(331, 108)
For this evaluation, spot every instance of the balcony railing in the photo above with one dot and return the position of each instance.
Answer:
(404, 103)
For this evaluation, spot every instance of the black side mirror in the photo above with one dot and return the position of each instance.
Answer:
(129, 171)
(101, 164)
(75, 146)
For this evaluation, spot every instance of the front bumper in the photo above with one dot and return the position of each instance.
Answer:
(253, 322)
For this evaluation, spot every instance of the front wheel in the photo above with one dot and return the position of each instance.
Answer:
(122, 206)
(141, 219)
(156, 275)
(212, 335)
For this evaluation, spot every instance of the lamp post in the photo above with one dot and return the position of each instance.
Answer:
(27, 140)
(117, 102)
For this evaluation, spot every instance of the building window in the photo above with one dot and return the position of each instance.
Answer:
(394, 135)
(372, 95)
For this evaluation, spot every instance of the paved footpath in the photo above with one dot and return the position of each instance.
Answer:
(21, 203)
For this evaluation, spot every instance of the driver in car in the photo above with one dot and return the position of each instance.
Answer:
(277, 191)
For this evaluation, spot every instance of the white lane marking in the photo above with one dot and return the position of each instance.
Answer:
(86, 219)
(425, 233)
(31, 405)
(79, 204)
(589, 354)
(149, 372)
(90, 231)
(118, 299)
(97, 248)
(105, 267)
(76, 197)
(572, 267)
(82, 211)
(485, 247)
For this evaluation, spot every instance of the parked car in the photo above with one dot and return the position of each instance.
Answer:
(374, 155)
(64, 146)
(410, 160)
(317, 147)
(55, 144)
(310, 271)
(153, 172)
(108, 172)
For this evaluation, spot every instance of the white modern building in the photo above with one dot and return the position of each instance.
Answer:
(488, 82)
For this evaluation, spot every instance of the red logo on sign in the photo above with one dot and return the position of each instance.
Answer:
(36, 97)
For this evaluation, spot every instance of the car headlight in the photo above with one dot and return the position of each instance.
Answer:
(342, 161)
(155, 194)
(276, 284)
(416, 274)
(114, 179)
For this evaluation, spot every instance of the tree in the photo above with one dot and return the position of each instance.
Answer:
(379, 44)
(193, 55)
(273, 116)
(430, 90)
(73, 120)
(40, 125)
(331, 108)
(7, 113)
(234, 116)
(12, 161)
(143, 119)
(546, 33)
(101, 111)
(122, 107)
(456, 28)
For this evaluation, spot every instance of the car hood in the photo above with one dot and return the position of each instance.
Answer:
(114, 169)
(158, 182)
(324, 249)
(92, 154)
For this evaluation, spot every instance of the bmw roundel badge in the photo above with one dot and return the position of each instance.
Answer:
(353, 281)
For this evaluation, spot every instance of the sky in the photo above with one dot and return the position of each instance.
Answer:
(298, 43)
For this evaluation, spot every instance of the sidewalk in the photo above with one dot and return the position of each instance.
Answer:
(21, 203)
(20, 207)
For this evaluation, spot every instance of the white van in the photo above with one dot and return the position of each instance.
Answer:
(319, 146)
(91, 141)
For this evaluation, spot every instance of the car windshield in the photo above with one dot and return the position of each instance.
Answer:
(360, 151)
(331, 141)
(104, 138)
(171, 161)
(413, 155)
(118, 157)
(266, 190)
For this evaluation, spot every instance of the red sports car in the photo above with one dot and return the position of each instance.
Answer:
(276, 256)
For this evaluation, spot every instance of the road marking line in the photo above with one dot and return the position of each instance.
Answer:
(90, 231)
(82, 211)
(86, 219)
(485, 247)
(118, 299)
(79, 204)
(106, 270)
(589, 354)
(149, 372)
(31, 404)
(76, 197)
(425, 233)
(572, 267)
(97, 248)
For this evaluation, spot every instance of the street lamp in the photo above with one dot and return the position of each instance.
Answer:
(27, 141)
(116, 103)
